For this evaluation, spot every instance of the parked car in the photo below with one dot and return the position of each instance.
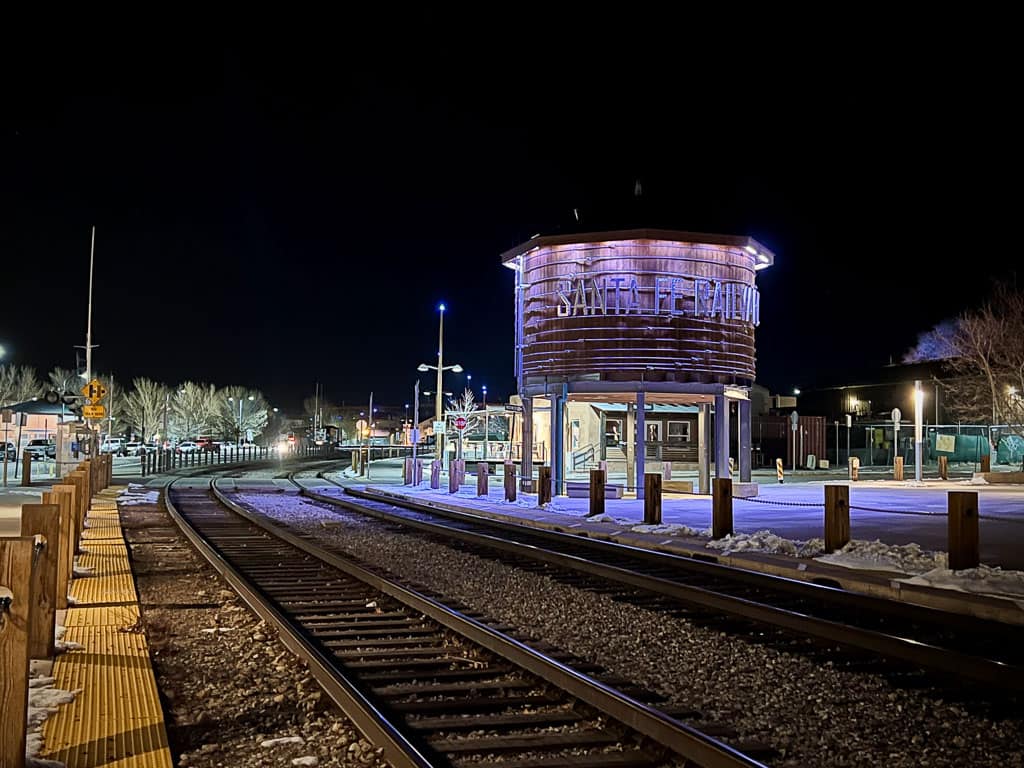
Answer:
(12, 452)
(208, 444)
(187, 446)
(113, 445)
(134, 448)
(41, 449)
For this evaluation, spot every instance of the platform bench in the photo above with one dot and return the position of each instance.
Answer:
(581, 490)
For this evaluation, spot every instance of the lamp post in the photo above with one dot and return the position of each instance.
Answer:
(440, 368)
(238, 442)
(486, 421)
(918, 438)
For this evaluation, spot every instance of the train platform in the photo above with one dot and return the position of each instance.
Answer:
(685, 518)
(116, 718)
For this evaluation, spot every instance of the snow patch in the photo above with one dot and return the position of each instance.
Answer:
(874, 555)
(282, 740)
(136, 495)
(44, 698)
(766, 541)
(82, 570)
(671, 529)
(981, 580)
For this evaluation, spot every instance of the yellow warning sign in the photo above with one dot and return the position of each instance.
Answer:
(94, 411)
(95, 391)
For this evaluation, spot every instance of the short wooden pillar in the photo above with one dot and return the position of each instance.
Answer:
(543, 485)
(77, 513)
(986, 463)
(897, 468)
(944, 467)
(666, 471)
(417, 472)
(854, 468)
(963, 530)
(43, 520)
(453, 476)
(483, 470)
(435, 474)
(510, 481)
(837, 516)
(596, 493)
(26, 469)
(603, 466)
(652, 499)
(407, 472)
(721, 510)
(64, 497)
(15, 594)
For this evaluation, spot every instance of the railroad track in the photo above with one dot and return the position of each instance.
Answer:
(912, 645)
(429, 684)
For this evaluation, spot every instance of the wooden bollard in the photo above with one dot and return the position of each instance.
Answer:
(453, 476)
(417, 469)
(26, 469)
(355, 461)
(43, 520)
(460, 466)
(543, 485)
(837, 517)
(652, 499)
(603, 466)
(963, 530)
(510, 481)
(77, 478)
(666, 471)
(986, 463)
(407, 472)
(482, 479)
(64, 497)
(596, 493)
(854, 468)
(435, 474)
(15, 585)
(944, 467)
(721, 511)
(897, 468)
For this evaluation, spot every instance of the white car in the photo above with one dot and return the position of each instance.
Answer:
(187, 447)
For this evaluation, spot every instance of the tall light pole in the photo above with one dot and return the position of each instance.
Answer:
(486, 421)
(440, 368)
(240, 399)
(918, 429)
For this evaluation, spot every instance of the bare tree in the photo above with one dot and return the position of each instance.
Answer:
(18, 383)
(147, 408)
(62, 380)
(193, 407)
(237, 411)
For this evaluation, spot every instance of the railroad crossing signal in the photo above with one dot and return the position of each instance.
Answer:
(94, 411)
(95, 391)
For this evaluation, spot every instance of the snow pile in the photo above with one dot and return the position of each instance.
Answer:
(983, 579)
(874, 555)
(62, 646)
(671, 529)
(137, 494)
(43, 700)
(81, 571)
(977, 479)
(766, 541)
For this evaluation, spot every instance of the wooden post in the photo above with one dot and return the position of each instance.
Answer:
(721, 513)
(482, 479)
(603, 466)
(453, 476)
(944, 467)
(963, 530)
(77, 479)
(406, 471)
(652, 499)
(435, 474)
(543, 485)
(43, 520)
(666, 471)
(897, 468)
(854, 467)
(986, 463)
(837, 516)
(596, 493)
(510, 481)
(15, 586)
(26, 469)
(64, 497)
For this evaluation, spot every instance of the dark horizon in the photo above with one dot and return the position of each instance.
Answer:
(278, 221)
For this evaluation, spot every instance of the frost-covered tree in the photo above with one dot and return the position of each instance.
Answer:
(18, 383)
(238, 410)
(147, 408)
(62, 380)
(193, 408)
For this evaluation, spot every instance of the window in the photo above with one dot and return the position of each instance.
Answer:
(654, 432)
(679, 431)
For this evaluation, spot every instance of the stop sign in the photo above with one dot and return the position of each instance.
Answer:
(460, 423)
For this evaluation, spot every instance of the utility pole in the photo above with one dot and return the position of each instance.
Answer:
(414, 432)
(369, 436)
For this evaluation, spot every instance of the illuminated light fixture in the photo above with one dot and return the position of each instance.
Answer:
(796, 391)
(750, 249)
(762, 258)
(441, 307)
(1011, 390)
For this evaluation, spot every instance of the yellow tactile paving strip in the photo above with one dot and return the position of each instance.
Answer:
(116, 719)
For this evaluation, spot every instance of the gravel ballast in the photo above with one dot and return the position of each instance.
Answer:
(233, 695)
(813, 714)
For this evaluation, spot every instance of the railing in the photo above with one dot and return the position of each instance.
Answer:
(583, 456)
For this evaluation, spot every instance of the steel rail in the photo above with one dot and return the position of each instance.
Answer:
(682, 739)
(991, 672)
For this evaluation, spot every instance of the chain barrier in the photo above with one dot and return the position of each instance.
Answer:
(1000, 519)
(897, 511)
(754, 500)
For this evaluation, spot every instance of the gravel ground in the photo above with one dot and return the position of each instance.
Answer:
(228, 685)
(813, 714)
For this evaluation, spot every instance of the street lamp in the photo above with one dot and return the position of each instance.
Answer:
(918, 419)
(440, 368)
(487, 421)
(240, 401)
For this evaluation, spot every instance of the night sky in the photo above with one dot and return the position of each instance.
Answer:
(292, 214)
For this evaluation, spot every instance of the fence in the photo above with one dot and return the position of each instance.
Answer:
(35, 572)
